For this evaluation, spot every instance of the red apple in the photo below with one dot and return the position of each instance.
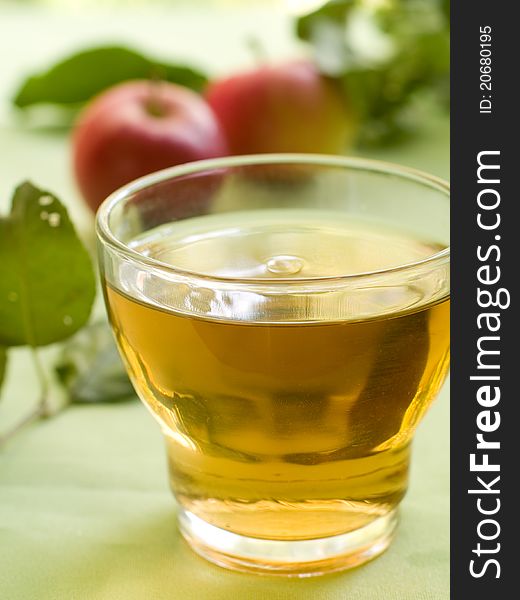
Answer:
(283, 108)
(138, 127)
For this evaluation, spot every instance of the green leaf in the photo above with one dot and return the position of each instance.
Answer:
(91, 369)
(47, 282)
(3, 362)
(335, 10)
(78, 78)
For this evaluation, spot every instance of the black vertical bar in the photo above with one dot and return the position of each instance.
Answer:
(484, 124)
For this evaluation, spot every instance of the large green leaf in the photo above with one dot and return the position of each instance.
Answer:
(47, 282)
(78, 78)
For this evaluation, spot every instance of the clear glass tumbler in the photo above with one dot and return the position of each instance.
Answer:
(285, 318)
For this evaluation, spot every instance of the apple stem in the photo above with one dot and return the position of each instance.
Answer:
(154, 105)
(257, 49)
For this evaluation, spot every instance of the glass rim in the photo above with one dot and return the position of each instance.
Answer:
(106, 235)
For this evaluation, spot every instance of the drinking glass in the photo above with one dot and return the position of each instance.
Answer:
(285, 319)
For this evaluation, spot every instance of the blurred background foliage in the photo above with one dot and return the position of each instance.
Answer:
(385, 54)
(389, 57)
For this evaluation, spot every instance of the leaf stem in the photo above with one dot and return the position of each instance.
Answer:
(42, 409)
(44, 383)
(257, 49)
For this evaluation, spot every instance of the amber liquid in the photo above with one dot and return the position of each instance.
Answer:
(284, 430)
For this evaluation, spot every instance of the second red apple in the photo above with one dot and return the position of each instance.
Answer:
(283, 108)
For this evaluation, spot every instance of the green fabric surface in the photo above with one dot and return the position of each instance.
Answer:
(85, 510)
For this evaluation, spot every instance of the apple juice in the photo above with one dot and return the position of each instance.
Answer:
(285, 418)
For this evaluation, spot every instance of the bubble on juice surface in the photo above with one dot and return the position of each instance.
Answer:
(284, 264)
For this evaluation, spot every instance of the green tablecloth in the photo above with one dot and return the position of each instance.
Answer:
(85, 512)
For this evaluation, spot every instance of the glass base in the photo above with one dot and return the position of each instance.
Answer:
(290, 558)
